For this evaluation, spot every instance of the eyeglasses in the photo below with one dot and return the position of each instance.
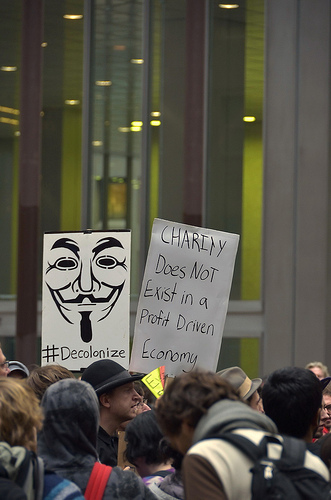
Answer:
(327, 408)
(142, 403)
(4, 365)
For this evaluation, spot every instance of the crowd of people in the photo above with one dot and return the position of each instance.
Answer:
(102, 434)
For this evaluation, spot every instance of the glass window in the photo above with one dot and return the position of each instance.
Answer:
(10, 15)
(62, 115)
(116, 120)
(234, 171)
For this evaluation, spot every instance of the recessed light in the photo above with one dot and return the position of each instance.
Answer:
(123, 129)
(155, 113)
(44, 44)
(97, 143)
(137, 123)
(73, 17)
(136, 61)
(8, 68)
(249, 119)
(155, 123)
(135, 129)
(228, 5)
(72, 102)
(103, 83)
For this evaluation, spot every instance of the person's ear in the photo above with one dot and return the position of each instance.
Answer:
(105, 400)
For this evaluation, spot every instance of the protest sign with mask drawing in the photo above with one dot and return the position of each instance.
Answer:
(86, 290)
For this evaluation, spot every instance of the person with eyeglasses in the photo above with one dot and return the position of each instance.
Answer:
(324, 422)
(4, 370)
(327, 404)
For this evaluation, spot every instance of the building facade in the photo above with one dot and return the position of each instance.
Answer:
(113, 113)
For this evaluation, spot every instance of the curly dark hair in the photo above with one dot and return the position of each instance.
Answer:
(188, 397)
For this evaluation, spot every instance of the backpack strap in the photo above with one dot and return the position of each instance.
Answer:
(97, 482)
(253, 451)
(294, 451)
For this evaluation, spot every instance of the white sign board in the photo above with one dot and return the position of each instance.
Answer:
(184, 298)
(86, 298)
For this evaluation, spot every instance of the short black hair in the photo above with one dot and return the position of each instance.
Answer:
(144, 439)
(291, 398)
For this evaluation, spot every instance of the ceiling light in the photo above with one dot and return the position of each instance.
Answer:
(228, 5)
(137, 124)
(17, 133)
(135, 129)
(123, 129)
(11, 111)
(97, 143)
(11, 121)
(136, 61)
(8, 68)
(117, 180)
(155, 113)
(73, 17)
(155, 123)
(72, 102)
(103, 83)
(249, 119)
(44, 44)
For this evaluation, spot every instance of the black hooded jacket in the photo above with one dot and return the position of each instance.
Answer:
(67, 442)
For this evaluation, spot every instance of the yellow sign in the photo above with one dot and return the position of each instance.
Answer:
(155, 381)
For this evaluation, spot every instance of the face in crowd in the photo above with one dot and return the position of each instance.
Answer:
(122, 401)
(318, 372)
(4, 370)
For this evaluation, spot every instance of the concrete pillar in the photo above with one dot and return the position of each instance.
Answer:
(296, 262)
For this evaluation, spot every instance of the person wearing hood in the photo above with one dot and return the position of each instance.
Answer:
(199, 405)
(67, 442)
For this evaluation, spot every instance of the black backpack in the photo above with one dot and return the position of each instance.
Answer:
(24, 468)
(285, 478)
(10, 491)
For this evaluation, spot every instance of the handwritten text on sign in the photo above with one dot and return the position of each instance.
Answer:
(184, 298)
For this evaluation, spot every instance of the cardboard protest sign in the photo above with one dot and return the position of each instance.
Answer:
(85, 301)
(184, 298)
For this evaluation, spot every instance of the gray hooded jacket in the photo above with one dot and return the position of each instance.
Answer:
(226, 415)
(67, 442)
